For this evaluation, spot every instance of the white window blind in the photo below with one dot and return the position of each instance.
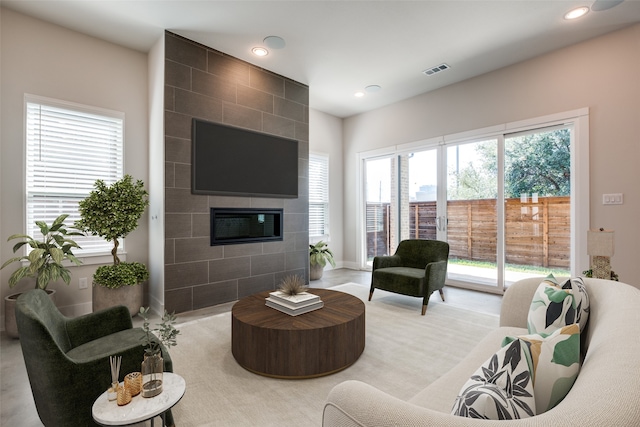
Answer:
(69, 146)
(318, 197)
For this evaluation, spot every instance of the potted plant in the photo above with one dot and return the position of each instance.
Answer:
(153, 365)
(319, 254)
(112, 212)
(44, 263)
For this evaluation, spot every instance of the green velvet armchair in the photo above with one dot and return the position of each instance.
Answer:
(418, 268)
(67, 359)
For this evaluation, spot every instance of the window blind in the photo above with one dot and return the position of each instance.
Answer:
(318, 196)
(68, 148)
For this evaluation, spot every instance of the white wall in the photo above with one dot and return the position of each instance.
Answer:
(47, 60)
(601, 74)
(156, 176)
(325, 137)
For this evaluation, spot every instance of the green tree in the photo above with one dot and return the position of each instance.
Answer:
(535, 163)
(538, 163)
(476, 179)
(112, 211)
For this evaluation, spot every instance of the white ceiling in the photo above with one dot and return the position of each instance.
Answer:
(339, 47)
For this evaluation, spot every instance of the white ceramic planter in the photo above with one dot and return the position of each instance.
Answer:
(129, 296)
(315, 272)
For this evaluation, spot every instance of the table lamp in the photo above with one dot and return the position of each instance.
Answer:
(600, 248)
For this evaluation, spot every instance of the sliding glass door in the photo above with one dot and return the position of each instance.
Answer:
(537, 200)
(380, 218)
(401, 200)
(508, 208)
(506, 203)
(472, 214)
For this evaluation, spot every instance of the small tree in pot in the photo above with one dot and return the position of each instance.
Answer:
(112, 212)
(319, 254)
(44, 262)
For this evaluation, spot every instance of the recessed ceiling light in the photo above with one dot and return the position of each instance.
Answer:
(359, 94)
(576, 13)
(372, 88)
(274, 42)
(600, 5)
(260, 51)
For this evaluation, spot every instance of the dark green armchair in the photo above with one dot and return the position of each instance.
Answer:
(67, 359)
(418, 268)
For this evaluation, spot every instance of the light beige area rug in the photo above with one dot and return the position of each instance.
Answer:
(404, 352)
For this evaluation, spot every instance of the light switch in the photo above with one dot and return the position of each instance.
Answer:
(612, 199)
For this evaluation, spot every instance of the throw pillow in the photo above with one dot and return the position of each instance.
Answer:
(555, 305)
(501, 389)
(555, 362)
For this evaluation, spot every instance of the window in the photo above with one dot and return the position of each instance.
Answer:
(69, 146)
(318, 197)
(511, 200)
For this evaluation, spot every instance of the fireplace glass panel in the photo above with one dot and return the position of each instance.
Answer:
(233, 226)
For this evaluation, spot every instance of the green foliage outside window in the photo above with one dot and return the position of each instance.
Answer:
(535, 163)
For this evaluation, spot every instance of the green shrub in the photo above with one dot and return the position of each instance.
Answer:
(122, 274)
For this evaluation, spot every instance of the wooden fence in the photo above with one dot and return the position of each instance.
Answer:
(537, 233)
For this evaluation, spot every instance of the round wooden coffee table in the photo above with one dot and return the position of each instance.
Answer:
(268, 342)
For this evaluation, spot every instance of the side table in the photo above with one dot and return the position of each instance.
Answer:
(140, 408)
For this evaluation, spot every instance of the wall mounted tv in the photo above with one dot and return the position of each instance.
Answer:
(231, 161)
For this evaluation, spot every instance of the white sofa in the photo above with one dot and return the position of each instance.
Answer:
(606, 392)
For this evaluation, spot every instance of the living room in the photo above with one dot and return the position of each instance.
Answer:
(599, 74)
(565, 80)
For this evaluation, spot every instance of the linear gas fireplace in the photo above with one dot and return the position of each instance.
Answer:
(230, 226)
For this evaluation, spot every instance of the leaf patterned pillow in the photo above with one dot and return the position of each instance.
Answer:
(501, 389)
(555, 363)
(555, 305)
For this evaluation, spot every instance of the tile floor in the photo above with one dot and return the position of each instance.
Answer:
(16, 402)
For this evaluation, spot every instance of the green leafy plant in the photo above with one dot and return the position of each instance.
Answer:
(166, 333)
(320, 254)
(45, 260)
(123, 274)
(112, 212)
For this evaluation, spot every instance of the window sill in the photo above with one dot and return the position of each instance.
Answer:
(98, 258)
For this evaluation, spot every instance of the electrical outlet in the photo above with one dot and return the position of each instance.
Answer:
(612, 199)
(82, 283)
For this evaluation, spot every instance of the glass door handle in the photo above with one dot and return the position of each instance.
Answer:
(441, 222)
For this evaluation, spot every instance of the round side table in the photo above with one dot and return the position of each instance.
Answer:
(108, 413)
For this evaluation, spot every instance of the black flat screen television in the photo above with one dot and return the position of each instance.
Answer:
(230, 161)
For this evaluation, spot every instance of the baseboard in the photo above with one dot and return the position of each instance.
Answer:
(350, 265)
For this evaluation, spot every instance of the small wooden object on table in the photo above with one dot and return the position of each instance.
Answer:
(108, 413)
(321, 342)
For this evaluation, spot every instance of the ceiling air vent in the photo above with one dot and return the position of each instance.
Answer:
(437, 69)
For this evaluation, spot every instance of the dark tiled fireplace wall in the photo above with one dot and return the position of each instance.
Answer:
(204, 83)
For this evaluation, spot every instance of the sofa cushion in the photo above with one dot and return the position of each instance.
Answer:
(440, 394)
(555, 362)
(555, 305)
(501, 389)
